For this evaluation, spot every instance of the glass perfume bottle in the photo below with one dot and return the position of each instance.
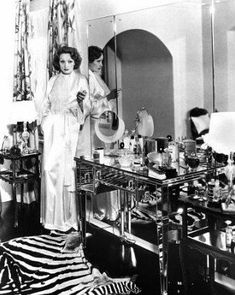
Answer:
(25, 137)
(6, 144)
(228, 233)
(126, 140)
(137, 147)
(211, 186)
(217, 192)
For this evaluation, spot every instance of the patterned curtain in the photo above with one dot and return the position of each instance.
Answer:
(22, 71)
(61, 27)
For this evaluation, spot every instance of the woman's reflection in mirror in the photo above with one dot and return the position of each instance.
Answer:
(106, 205)
(96, 57)
(101, 97)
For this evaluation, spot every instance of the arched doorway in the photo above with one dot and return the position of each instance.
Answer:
(145, 75)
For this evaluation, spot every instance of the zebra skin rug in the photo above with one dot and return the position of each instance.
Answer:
(44, 265)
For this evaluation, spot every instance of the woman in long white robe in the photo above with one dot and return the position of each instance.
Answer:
(62, 118)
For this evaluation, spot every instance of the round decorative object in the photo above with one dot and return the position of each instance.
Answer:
(109, 127)
(192, 160)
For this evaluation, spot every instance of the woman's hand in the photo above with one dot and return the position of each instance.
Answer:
(80, 97)
(113, 94)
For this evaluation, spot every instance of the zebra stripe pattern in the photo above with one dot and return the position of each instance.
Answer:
(39, 265)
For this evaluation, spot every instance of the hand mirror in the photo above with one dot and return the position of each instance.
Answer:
(109, 127)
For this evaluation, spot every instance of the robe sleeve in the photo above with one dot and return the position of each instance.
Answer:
(46, 105)
(99, 102)
(86, 102)
(83, 110)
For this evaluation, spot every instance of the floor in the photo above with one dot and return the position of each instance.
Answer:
(119, 259)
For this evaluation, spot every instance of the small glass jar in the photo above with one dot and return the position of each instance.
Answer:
(96, 155)
(217, 192)
(228, 233)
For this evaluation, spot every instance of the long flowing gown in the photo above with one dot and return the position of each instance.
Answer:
(106, 205)
(62, 117)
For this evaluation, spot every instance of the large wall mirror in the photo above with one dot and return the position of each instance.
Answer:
(161, 59)
(224, 55)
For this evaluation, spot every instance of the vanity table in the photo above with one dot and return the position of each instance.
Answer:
(209, 241)
(20, 174)
(90, 173)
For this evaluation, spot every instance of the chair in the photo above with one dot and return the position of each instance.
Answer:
(199, 123)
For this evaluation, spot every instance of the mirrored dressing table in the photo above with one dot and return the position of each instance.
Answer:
(90, 173)
(24, 169)
(209, 241)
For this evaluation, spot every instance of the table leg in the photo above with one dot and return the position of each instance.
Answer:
(15, 204)
(38, 180)
(163, 258)
(20, 210)
(81, 210)
(122, 213)
(14, 193)
(129, 201)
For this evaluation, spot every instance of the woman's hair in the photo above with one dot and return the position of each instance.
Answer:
(73, 53)
(94, 52)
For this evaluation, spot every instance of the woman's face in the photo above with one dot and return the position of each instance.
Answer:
(97, 65)
(66, 63)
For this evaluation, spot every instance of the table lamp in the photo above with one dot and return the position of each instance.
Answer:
(22, 111)
(221, 138)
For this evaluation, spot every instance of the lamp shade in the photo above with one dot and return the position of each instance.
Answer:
(22, 111)
(221, 136)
